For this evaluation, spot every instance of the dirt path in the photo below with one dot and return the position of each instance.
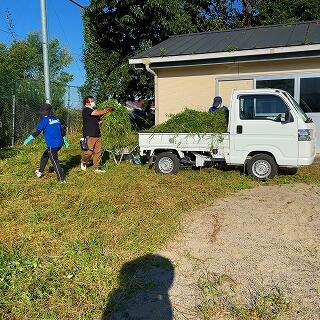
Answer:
(262, 238)
(253, 241)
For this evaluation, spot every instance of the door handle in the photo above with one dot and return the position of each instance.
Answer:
(239, 129)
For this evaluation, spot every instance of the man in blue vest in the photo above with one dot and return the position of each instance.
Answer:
(217, 105)
(52, 130)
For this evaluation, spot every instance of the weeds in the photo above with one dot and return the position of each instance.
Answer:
(232, 48)
(221, 297)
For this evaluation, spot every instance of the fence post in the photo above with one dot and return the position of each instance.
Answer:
(13, 119)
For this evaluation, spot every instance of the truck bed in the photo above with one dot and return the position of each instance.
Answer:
(214, 143)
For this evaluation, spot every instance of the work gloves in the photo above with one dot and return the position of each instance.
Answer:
(65, 142)
(28, 140)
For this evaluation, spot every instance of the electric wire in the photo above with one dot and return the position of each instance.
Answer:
(77, 4)
(68, 42)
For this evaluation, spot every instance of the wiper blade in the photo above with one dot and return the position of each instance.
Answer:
(309, 120)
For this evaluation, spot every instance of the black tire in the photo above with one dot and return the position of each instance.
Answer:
(167, 163)
(262, 167)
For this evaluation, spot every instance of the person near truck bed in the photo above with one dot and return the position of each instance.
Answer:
(54, 136)
(217, 105)
(91, 130)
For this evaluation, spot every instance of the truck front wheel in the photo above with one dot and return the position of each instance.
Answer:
(262, 167)
(167, 162)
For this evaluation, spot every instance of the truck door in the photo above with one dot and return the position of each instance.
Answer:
(263, 122)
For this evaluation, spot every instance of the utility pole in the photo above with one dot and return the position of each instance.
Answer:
(45, 50)
(68, 108)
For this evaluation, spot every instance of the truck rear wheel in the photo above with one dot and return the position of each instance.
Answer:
(262, 167)
(167, 162)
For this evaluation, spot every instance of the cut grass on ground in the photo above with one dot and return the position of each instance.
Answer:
(62, 246)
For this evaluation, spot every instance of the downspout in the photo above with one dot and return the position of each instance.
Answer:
(146, 63)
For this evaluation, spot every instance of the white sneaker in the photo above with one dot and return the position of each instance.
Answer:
(99, 171)
(83, 166)
(38, 173)
(63, 181)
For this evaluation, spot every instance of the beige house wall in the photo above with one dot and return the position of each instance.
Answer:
(195, 87)
(226, 88)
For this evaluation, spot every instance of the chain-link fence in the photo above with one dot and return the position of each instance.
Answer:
(6, 120)
(19, 111)
(16, 120)
(73, 104)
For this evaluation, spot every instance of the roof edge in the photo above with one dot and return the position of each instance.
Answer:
(247, 28)
(218, 55)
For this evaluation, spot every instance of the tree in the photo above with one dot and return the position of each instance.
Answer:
(287, 11)
(248, 12)
(266, 12)
(21, 73)
(116, 30)
(22, 63)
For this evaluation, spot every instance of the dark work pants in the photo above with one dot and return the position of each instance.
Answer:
(52, 153)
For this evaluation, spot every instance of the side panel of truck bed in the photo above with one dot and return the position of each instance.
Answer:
(203, 142)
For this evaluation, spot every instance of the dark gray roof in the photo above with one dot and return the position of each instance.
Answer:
(303, 33)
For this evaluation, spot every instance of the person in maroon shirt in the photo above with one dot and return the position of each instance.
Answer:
(91, 130)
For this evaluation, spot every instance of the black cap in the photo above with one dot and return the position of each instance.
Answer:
(45, 109)
(217, 101)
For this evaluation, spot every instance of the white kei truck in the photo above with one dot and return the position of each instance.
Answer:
(267, 130)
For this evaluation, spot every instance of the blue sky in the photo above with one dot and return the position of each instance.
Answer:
(64, 23)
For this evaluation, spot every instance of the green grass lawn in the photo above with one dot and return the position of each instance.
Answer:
(62, 246)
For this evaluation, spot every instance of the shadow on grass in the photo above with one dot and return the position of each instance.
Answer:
(72, 162)
(8, 152)
(143, 290)
(105, 157)
(281, 171)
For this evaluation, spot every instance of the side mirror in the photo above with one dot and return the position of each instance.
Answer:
(289, 117)
(278, 118)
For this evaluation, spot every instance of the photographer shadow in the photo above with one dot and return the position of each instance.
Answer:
(143, 290)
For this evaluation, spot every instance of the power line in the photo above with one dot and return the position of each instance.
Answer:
(9, 33)
(5, 31)
(77, 4)
(68, 42)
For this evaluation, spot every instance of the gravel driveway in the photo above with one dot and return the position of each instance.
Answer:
(263, 238)
(256, 240)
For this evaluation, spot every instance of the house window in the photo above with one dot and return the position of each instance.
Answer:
(264, 107)
(310, 94)
(282, 84)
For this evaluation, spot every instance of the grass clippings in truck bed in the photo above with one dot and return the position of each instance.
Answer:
(192, 121)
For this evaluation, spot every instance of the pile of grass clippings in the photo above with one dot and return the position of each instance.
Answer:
(116, 128)
(192, 121)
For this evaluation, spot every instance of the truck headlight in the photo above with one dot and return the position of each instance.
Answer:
(304, 134)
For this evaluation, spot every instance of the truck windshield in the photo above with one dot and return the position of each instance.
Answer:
(297, 107)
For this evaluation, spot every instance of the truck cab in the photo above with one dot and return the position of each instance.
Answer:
(269, 122)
